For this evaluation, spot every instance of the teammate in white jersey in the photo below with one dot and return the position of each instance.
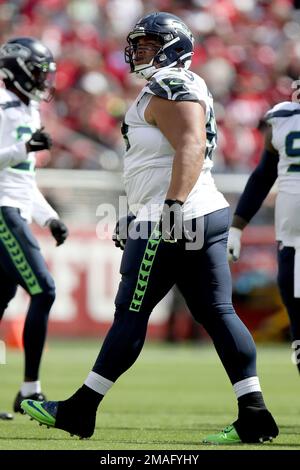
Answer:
(280, 159)
(26, 66)
(182, 225)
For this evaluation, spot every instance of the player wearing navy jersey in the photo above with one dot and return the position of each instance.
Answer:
(182, 220)
(26, 67)
(280, 159)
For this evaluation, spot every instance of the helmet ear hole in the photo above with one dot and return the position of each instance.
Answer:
(162, 57)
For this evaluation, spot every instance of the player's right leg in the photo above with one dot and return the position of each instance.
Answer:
(286, 283)
(8, 287)
(207, 291)
(22, 261)
(148, 270)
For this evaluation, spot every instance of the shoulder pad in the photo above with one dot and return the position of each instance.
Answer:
(283, 110)
(10, 104)
(173, 84)
(8, 100)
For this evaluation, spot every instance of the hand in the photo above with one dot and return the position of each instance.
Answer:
(39, 140)
(171, 222)
(120, 234)
(234, 244)
(59, 230)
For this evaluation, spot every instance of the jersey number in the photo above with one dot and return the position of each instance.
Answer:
(124, 130)
(292, 151)
(24, 133)
(211, 134)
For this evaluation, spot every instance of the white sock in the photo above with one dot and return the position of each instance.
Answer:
(247, 386)
(98, 383)
(29, 388)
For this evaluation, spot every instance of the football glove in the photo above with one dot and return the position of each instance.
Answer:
(120, 233)
(59, 230)
(171, 221)
(234, 244)
(39, 140)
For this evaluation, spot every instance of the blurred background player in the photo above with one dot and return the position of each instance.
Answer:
(280, 158)
(170, 135)
(27, 69)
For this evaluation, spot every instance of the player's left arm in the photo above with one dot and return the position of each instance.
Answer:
(258, 185)
(254, 194)
(44, 215)
(183, 124)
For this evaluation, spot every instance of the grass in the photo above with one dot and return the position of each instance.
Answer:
(169, 400)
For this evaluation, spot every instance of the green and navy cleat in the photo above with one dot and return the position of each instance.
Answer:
(61, 415)
(44, 412)
(227, 436)
(254, 425)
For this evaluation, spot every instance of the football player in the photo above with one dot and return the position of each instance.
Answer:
(27, 69)
(170, 135)
(280, 159)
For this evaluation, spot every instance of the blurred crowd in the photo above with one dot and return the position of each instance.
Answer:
(248, 51)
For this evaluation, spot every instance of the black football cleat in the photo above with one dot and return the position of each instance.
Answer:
(256, 425)
(19, 398)
(6, 416)
(63, 415)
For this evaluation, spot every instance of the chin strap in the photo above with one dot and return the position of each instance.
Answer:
(149, 70)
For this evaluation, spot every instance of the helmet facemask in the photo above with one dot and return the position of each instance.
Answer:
(147, 69)
(44, 80)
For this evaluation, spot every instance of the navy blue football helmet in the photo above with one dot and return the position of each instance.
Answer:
(28, 65)
(177, 43)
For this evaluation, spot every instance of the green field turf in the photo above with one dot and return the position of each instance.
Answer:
(170, 399)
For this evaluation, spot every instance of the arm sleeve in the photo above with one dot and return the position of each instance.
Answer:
(42, 211)
(258, 186)
(12, 155)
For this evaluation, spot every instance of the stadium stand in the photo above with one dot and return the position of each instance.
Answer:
(246, 51)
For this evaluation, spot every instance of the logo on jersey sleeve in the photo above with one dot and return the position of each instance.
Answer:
(172, 88)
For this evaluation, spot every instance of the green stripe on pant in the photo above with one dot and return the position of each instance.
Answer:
(145, 269)
(18, 258)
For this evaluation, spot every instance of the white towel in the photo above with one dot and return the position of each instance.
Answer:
(297, 273)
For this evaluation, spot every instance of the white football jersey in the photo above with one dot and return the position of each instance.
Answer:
(17, 169)
(149, 156)
(285, 121)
